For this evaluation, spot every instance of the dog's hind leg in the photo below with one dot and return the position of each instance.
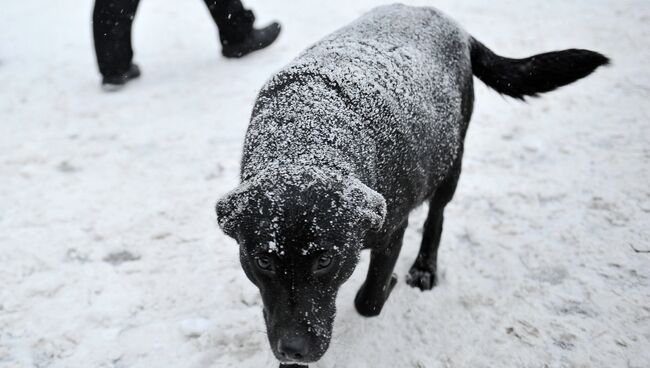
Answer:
(423, 272)
(380, 280)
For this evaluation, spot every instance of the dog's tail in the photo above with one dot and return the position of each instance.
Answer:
(533, 75)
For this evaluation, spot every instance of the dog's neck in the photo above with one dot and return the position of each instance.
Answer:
(324, 131)
(325, 163)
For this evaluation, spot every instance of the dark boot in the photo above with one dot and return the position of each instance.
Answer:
(117, 81)
(257, 39)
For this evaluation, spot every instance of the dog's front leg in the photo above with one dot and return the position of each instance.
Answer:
(380, 279)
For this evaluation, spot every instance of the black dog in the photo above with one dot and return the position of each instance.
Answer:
(344, 142)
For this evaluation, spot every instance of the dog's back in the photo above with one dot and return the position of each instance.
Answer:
(387, 97)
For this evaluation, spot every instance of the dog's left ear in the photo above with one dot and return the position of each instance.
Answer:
(366, 203)
(231, 208)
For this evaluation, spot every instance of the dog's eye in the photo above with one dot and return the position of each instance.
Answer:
(324, 262)
(264, 263)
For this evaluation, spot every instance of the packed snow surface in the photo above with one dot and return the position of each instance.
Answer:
(110, 255)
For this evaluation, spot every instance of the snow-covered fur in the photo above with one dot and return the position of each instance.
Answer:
(343, 143)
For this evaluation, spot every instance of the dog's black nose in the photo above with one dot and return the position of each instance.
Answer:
(293, 348)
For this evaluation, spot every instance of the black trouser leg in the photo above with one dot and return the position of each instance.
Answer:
(233, 20)
(112, 20)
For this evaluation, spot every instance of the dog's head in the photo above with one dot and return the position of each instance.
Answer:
(300, 235)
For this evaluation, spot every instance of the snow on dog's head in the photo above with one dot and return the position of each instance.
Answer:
(300, 232)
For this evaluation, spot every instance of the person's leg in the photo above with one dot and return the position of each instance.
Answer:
(233, 20)
(236, 32)
(112, 20)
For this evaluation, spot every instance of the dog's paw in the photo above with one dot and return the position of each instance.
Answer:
(423, 279)
(369, 303)
(364, 306)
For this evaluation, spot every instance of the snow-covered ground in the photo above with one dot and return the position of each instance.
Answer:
(109, 251)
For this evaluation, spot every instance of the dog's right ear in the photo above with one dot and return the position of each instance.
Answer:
(231, 208)
(368, 205)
